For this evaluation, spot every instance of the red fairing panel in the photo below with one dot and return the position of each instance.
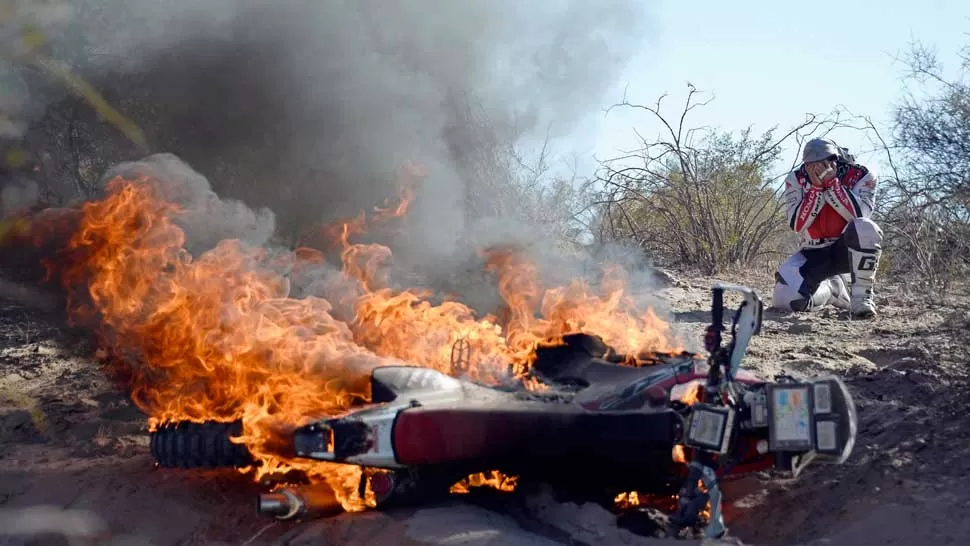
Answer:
(436, 436)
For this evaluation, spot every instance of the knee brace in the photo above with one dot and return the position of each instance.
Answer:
(863, 234)
(787, 297)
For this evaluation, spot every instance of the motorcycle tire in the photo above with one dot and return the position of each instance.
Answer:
(199, 445)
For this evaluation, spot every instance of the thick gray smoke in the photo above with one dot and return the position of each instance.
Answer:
(310, 107)
(206, 219)
(19, 20)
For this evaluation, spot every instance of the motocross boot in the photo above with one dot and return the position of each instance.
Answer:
(864, 265)
(833, 291)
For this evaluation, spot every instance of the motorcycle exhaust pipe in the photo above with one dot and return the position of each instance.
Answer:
(276, 504)
(299, 502)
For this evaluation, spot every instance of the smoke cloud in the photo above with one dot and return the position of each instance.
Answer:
(206, 218)
(309, 108)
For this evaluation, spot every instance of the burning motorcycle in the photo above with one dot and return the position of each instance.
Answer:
(624, 419)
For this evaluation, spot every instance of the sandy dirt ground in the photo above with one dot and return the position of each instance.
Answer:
(69, 440)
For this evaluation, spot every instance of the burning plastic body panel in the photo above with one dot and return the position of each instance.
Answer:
(624, 424)
(423, 417)
(608, 423)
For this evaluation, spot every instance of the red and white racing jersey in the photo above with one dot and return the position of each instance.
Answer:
(820, 216)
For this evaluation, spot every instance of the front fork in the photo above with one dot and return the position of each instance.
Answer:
(701, 486)
(699, 489)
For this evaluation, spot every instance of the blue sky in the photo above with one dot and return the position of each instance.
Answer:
(769, 63)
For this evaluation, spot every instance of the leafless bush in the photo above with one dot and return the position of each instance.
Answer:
(926, 195)
(697, 197)
(927, 247)
(46, 106)
(506, 181)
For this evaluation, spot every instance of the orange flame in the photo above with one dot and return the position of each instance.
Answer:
(573, 308)
(493, 479)
(632, 500)
(693, 393)
(339, 234)
(218, 337)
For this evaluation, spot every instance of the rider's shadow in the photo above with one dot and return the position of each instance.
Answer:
(775, 320)
(701, 316)
(786, 317)
(704, 316)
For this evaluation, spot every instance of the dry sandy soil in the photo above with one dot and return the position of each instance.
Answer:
(70, 440)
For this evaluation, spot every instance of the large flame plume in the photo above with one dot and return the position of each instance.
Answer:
(219, 336)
